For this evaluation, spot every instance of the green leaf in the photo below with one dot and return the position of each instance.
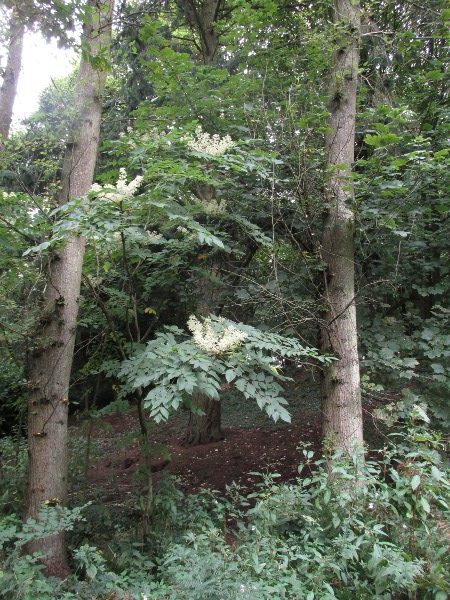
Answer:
(240, 384)
(434, 75)
(91, 571)
(425, 505)
(399, 162)
(230, 375)
(378, 141)
(415, 482)
(436, 473)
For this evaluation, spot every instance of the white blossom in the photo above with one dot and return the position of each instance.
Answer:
(214, 207)
(123, 191)
(153, 237)
(205, 143)
(212, 340)
(189, 235)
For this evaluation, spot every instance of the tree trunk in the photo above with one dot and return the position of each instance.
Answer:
(11, 75)
(341, 394)
(203, 429)
(206, 428)
(202, 16)
(51, 361)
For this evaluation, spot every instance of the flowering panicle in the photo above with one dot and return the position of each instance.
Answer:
(153, 237)
(213, 207)
(205, 143)
(189, 235)
(123, 191)
(211, 340)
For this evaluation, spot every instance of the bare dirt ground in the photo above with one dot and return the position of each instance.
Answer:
(238, 457)
(252, 444)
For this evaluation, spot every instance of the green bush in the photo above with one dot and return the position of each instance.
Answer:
(346, 532)
(346, 529)
(13, 471)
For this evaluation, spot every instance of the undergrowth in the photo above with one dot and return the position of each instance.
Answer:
(376, 531)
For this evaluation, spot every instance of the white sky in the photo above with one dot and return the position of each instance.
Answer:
(41, 62)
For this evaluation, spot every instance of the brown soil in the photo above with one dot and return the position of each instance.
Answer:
(243, 453)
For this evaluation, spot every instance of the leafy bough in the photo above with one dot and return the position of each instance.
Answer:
(174, 366)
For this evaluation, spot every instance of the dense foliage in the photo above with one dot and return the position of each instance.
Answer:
(378, 532)
(205, 270)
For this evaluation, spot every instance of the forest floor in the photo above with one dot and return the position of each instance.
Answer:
(252, 444)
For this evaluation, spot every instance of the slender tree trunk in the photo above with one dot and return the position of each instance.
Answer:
(206, 428)
(341, 394)
(51, 361)
(8, 90)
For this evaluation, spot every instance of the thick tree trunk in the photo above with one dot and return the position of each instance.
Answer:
(208, 35)
(202, 16)
(341, 394)
(51, 361)
(8, 90)
(203, 429)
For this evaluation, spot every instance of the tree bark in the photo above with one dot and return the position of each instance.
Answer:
(8, 90)
(206, 428)
(341, 394)
(202, 15)
(203, 429)
(51, 362)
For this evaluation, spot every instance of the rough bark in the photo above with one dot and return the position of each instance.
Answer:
(51, 362)
(341, 394)
(206, 428)
(11, 74)
(202, 15)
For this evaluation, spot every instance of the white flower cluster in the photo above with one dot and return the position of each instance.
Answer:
(153, 237)
(216, 342)
(123, 191)
(188, 234)
(214, 208)
(205, 143)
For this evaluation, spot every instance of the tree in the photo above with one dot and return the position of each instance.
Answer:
(11, 73)
(51, 359)
(29, 14)
(341, 394)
